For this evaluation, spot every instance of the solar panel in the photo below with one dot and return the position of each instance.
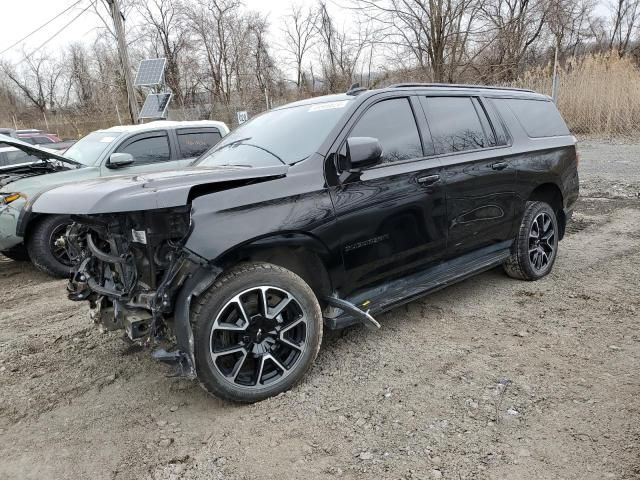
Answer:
(150, 72)
(155, 106)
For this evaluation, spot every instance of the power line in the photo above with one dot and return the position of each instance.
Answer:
(57, 33)
(40, 27)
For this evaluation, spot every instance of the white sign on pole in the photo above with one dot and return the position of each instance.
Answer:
(242, 117)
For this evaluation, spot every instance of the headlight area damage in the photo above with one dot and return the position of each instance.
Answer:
(131, 267)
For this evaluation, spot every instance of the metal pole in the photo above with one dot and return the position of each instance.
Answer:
(554, 85)
(124, 58)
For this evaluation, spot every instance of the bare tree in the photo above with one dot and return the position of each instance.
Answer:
(300, 34)
(213, 23)
(340, 51)
(166, 29)
(569, 22)
(434, 33)
(515, 27)
(263, 62)
(37, 80)
(625, 19)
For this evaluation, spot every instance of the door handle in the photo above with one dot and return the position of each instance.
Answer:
(499, 165)
(428, 180)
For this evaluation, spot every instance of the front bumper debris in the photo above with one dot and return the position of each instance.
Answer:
(144, 288)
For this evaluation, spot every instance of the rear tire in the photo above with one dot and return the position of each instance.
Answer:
(248, 357)
(41, 245)
(17, 254)
(535, 249)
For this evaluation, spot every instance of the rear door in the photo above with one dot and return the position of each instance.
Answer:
(392, 217)
(193, 142)
(480, 180)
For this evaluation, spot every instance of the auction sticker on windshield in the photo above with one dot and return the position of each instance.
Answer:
(328, 106)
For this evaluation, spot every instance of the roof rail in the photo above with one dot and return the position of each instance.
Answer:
(455, 85)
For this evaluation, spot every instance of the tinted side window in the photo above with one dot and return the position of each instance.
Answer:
(454, 124)
(393, 124)
(194, 144)
(149, 149)
(539, 118)
(41, 140)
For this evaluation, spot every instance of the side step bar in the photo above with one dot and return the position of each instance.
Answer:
(388, 295)
(354, 312)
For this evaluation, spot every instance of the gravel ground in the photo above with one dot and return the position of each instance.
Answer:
(490, 378)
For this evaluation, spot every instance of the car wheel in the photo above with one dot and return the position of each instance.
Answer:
(17, 254)
(257, 332)
(535, 248)
(46, 246)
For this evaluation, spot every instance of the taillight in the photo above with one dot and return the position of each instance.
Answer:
(575, 144)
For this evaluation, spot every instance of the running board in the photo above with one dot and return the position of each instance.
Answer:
(386, 296)
(349, 309)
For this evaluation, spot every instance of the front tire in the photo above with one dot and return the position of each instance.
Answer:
(46, 246)
(535, 248)
(257, 332)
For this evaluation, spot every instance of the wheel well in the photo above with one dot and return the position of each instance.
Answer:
(32, 221)
(306, 264)
(551, 194)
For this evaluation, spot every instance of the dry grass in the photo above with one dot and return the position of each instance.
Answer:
(597, 95)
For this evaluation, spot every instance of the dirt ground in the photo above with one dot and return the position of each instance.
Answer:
(490, 378)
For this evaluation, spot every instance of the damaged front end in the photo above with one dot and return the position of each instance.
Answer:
(135, 272)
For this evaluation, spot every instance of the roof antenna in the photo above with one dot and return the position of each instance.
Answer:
(355, 89)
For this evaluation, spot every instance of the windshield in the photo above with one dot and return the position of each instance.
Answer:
(287, 135)
(89, 149)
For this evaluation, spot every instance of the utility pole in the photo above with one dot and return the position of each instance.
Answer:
(124, 57)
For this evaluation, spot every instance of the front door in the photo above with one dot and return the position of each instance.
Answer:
(480, 179)
(392, 218)
(151, 151)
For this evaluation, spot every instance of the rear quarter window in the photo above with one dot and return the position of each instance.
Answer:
(195, 143)
(539, 118)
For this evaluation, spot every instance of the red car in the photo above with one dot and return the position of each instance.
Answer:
(37, 137)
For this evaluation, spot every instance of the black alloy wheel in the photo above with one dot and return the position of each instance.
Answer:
(257, 331)
(258, 337)
(542, 241)
(535, 248)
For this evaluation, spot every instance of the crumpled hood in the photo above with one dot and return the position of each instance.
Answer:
(148, 191)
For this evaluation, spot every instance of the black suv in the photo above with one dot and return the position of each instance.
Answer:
(319, 214)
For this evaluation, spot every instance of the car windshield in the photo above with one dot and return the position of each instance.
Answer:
(287, 135)
(89, 149)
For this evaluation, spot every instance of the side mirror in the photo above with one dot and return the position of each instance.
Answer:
(119, 160)
(363, 152)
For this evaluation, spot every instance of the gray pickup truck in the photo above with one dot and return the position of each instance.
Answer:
(131, 149)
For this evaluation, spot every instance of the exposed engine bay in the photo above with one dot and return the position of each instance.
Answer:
(129, 266)
(12, 174)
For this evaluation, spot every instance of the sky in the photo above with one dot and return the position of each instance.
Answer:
(23, 16)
